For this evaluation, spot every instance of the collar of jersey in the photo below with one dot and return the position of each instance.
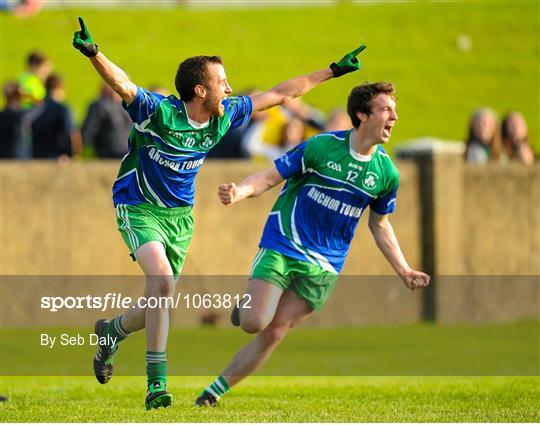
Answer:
(356, 155)
(196, 125)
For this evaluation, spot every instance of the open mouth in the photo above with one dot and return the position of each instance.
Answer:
(387, 131)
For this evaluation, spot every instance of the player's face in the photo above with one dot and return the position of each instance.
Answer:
(382, 118)
(217, 89)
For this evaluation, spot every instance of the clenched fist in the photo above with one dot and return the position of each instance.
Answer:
(228, 193)
(415, 280)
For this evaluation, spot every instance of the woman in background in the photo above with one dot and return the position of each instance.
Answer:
(482, 143)
(515, 139)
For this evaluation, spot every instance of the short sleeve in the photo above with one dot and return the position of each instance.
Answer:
(385, 204)
(144, 104)
(291, 162)
(239, 109)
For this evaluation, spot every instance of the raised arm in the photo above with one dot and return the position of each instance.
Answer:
(114, 76)
(299, 86)
(386, 240)
(253, 185)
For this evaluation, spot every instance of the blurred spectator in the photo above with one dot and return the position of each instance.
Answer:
(27, 8)
(230, 145)
(312, 117)
(482, 143)
(156, 88)
(32, 81)
(293, 134)
(515, 139)
(107, 125)
(266, 138)
(11, 145)
(338, 120)
(53, 135)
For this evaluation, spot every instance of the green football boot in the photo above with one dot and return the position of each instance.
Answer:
(158, 396)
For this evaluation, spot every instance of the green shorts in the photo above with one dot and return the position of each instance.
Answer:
(308, 281)
(173, 227)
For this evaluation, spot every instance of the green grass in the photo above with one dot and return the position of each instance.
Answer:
(412, 44)
(278, 399)
(418, 349)
(286, 389)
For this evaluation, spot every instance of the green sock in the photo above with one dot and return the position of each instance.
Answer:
(116, 330)
(218, 388)
(156, 367)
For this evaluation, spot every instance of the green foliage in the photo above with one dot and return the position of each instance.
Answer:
(413, 44)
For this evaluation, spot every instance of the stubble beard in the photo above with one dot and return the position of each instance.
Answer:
(213, 106)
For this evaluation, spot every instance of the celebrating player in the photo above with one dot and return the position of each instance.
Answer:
(153, 193)
(331, 179)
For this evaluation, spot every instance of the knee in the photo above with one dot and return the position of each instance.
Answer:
(163, 286)
(252, 324)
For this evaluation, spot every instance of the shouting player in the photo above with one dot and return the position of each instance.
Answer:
(331, 179)
(153, 193)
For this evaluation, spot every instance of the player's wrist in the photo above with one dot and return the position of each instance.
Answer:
(404, 270)
(90, 51)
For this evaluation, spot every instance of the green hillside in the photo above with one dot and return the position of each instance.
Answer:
(411, 44)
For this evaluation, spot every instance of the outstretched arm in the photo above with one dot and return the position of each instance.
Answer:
(386, 240)
(115, 77)
(299, 86)
(253, 185)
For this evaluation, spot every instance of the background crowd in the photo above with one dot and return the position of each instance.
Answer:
(37, 123)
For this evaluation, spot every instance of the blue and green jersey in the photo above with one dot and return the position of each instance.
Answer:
(167, 149)
(328, 188)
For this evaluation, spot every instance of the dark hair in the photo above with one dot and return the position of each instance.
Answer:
(505, 125)
(192, 72)
(360, 98)
(53, 82)
(12, 90)
(36, 59)
(493, 144)
(509, 140)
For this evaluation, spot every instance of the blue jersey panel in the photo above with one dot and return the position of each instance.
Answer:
(323, 222)
(143, 105)
(157, 167)
(239, 109)
(290, 163)
(385, 204)
(127, 190)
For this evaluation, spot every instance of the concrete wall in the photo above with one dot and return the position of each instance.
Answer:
(501, 215)
(59, 220)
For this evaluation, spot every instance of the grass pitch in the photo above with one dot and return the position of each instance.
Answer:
(278, 399)
(419, 349)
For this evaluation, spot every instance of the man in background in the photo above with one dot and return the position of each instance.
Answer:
(11, 116)
(107, 125)
(53, 134)
(32, 81)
